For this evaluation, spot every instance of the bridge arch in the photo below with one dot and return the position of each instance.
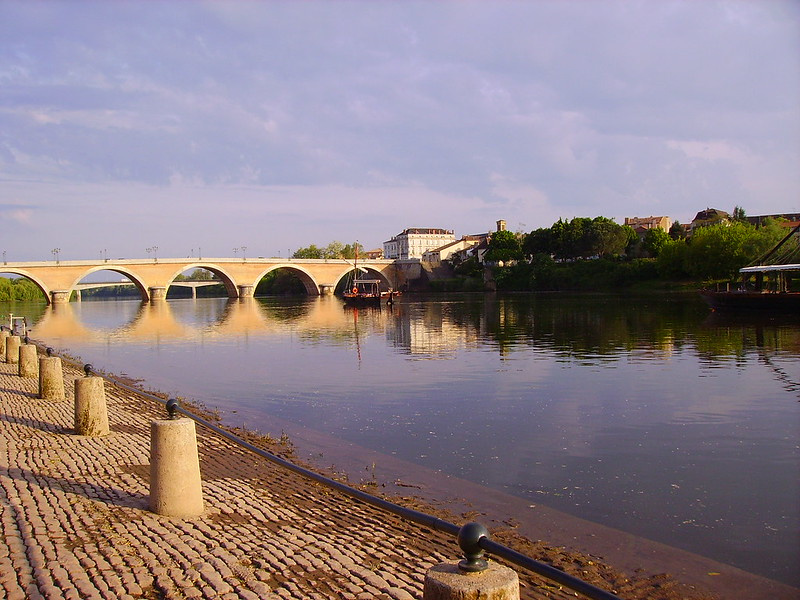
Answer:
(134, 278)
(224, 277)
(307, 279)
(371, 273)
(32, 278)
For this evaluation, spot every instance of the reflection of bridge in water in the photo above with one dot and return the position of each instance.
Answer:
(161, 320)
(193, 285)
(58, 279)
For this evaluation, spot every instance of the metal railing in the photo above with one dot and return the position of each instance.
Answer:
(473, 538)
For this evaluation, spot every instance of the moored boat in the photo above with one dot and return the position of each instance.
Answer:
(752, 300)
(364, 292)
(769, 284)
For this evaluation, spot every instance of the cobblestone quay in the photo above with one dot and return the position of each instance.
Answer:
(75, 522)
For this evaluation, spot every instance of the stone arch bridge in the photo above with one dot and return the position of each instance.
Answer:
(153, 277)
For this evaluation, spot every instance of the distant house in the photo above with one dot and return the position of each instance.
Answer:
(649, 222)
(641, 225)
(374, 254)
(709, 216)
(457, 247)
(415, 241)
(475, 245)
(791, 219)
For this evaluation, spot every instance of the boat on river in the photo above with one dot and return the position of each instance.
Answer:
(772, 283)
(366, 292)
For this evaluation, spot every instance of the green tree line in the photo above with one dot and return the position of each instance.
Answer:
(19, 289)
(586, 253)
(332, 250)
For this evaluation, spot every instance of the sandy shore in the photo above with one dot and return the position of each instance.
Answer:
(75, 522)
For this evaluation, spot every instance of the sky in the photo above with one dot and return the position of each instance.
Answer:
(207, 127)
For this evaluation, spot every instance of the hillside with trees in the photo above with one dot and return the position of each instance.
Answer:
(599, 254)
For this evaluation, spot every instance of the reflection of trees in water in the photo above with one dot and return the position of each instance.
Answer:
(286, 310)
(589, 326)
(31, 310)
(790, 382)
(733, 337)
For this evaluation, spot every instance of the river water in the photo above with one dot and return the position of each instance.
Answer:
(647, 413)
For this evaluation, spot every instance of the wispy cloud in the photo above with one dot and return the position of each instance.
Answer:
(353, 119)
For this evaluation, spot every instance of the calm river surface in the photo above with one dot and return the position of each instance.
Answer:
(648, 414)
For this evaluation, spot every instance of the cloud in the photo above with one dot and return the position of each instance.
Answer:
(367, 114)
(19, 214)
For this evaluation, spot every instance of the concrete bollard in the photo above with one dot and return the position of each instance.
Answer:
(51, 378)
(12, 349)
(175, 488)
(3, 336)
(28, 361)
(446, 581)
(91, 413)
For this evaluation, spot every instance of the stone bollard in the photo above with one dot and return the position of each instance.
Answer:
(446, 581)
(473, 578)
(28, 361)
(91, 414)
(3, 336)
(13, 343)
(175, 489)
(51, 378)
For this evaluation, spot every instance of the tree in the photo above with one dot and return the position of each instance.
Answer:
(539, 241)
(671, 262)
(606, 238)
(334, 249)
(676, 231)
(654, 240)
(197, 275)
(311, 252)
(719, 251)
(19, 289)
(739, 214)
(505, 246)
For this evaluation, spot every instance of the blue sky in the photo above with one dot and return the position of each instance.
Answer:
(275, 125)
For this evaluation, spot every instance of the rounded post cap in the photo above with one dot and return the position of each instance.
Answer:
(469, 537)
(172, 408)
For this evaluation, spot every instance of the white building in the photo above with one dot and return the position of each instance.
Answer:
(413, 242)
(437, 255)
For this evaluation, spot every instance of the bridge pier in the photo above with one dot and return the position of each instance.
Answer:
(245, 291)
(326, 289)
(59, 296)
(157, 294)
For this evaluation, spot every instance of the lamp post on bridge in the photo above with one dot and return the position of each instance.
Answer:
(154, 250)
(55, 252)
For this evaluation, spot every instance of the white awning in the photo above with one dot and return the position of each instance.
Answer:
(765, 268)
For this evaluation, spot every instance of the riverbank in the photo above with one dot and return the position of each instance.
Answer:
(75, 522)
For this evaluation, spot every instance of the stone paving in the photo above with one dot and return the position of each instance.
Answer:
(76, 525)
